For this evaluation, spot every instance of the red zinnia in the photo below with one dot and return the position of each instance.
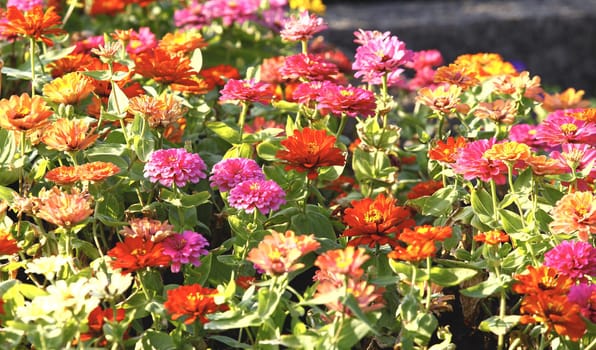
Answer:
(33, 24)
(376, 221)
(447, 151)
(8, 245)
(193, 301)
(310, 149)
(556, 312)
(96, 319)
(425, 188)
(135, 253)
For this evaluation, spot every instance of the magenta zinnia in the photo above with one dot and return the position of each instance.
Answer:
(379, 56)
(230, 172)
(264, 195)
(575, 259)
(471, 163)
(559, 128)
(185, 248)
(176, 165)
(308, 67)
(348, 100)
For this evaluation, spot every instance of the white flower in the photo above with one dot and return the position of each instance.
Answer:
(48, 266)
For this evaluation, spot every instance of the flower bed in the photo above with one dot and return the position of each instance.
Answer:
(178, 175)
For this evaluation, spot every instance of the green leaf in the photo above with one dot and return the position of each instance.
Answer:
(196, 60)
(233, 319)
(448, 277)
(17, 73)
(351, 302)
(185, 200)
(225, 131)
(8, 148)
(482, 205)
(231, 342)
(499, 326)
(312, 221)
(511, 221)
(154, 340)
(103, 75)
(439, 204)
(483, 289)
(350, 335)
(87, 248)
(117, 102)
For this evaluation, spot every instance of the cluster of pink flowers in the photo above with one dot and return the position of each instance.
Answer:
(174, 166)
(185, 248)
(24, 5)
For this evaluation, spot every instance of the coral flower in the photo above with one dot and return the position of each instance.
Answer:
(148, 229)
(63, 175)
(96, 320)
(346, 100)
(424, 188)
(347, 262)
(471, 163)
(376, 222)
(160, 112)
(34, 24)
(24, 113)
(508, 152)
(555, 312)
(455, 74)
(414, 252)
(425, 233)
(368, 296)
(559, 128)
(72, 63)
(71, 88)
(185, 248)
(544, 165)
(587, 114)
(278, 253)
(168, 69)
(542, 280)
(499, 111)
(492, 237)
(8, 245)
(68, 135)
(446, 151)
(572, 258)
(575, 213)
(62, 208)
(569, 98)
(302, 27)
(193, 302)
(97, 171)
(308, 67)
(310, 149)
(218, 75)
(247, 91)
(230, 172)
(136, 253)
(441, 99)
(264, 195)
(174, 166)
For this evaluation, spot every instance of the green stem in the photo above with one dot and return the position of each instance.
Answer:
(304, 45)
(428, 286)
(32, 60)
(512, 189)
(493, 194)
(342, 124)
(22, 169)
(241, 119)
(71, 7)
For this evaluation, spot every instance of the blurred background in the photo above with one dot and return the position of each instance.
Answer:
(555, 39)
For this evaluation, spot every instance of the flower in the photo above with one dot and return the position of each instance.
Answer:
(471, 163)
(97, 171)
(584, 295)
(379, 56)
(8, 245)
(185, 248)
(368, 296)
(160, 112)
(347, 262)
(63, 208)
(48, 266)
(441, 99)
(446, 151)
(229, 173)
(24, 113)
(182, 42)
(264, 195)
(309, 5)
(141, 41)
(34, 23)
(556, 312)
(414, 252)
(136, 253)
(72, 63)
(509, 151)
(193, 301)
(174, 166)
(424, 188)
(308, 67)
(544, 165)
(345, 100)
(148, 229)
(218, 75)
(71, 88)
(247, 91)
(569, 98)
(525, 133)
(492, 237)
(455, 74)
(302, 27)
(420, 242)
(572, 258)
(559, 128)
(24, 5)
(95, 322)
(375, 222)
(575, 157)
(308, 150)
(68, 135)
(542, 280)
(499, 111)
(63, 175)
(485, 65)
(575, 213)
(278, 253)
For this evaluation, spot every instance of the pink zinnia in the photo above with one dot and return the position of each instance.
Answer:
(577, 157)
(559, 128)
(302, 27)
(24, 5)
(584, 295)
(348, 100)
(308, 67)
(230, 172)
(471, 163)
(525, 133)
(364, 36)
(175, 165)
(191, 17)
(247, 90)
(424, 59)
(575, 259)
(306, 93)
(380, 56)
(185, 248)
(141, 41)
(264, 195)
(231, 11)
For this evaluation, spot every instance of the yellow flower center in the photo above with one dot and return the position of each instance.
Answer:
(568, 128)
(193, 297)
(255, 186)
(138, 251)
(346, 93)
(312, 147)
(372, 215)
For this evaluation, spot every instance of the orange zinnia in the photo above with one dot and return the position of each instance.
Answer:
(486, 65)
(376, 222)
(542, 280)
(136, 253)
(454, 74)
(416, 251)
(447, 151)
(71, 88)
(347, 262)
(442, 99)
(62, 208)
(567, 99)
(8, 245)
(554, 311)
(587, 114)
(68, 135)
(508, 152)
(310, 149)
(63, 175)
(543, 165)
(72, 63)
(33, 24)
(492, 237)
(499, 111)
(24, 113)
(426, 233)
(424, 188)
(218, 75)
(182, 42)
(575, 212)
(194, 302)
(160, 111)
(97, 171)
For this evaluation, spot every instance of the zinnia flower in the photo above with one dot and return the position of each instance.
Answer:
(71, 88)
(24, 5)
(485, 65)
(570, 98)
(575, 213)
(446, 151)
(229, 173)
(136, 253)
(576, 158)
(302, 27)
(556, 312)
(441, 99)
(559, 128)
(471, 163)
(584, 295)
(33, 23)
(509, 151)
(247, 91)
(278, 253)
(24, 113)
(185, 248)
(62, 208)
(68, 135)
(376, 222)
(492, 237)
(310, 149)
(346, 262)
(193, 302)
(264, 195)
(97, 171)
(542, 280)
(219, 75)
(95, 322)
(572, 258)
(148, 229)
(424, 188)
(8, 245)
(308, 67)
(346, 100)
(455, 74)
(368, 296)
(160, 112)
(414, 252)
(63, 175)
(182, 42)
(379, 56)
(499, 111)
(174, 166)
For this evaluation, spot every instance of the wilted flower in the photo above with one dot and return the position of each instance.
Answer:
(24, 113)
(302, 27)
(148, 229)
(264, 195)
(229, 173)
(185, 248)
(575, 213)
(63, 208)
(193, 302)
(368, 296)
(572, 258)
(71, 88)
(68, 135)
(136, 253)
(174, 166)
